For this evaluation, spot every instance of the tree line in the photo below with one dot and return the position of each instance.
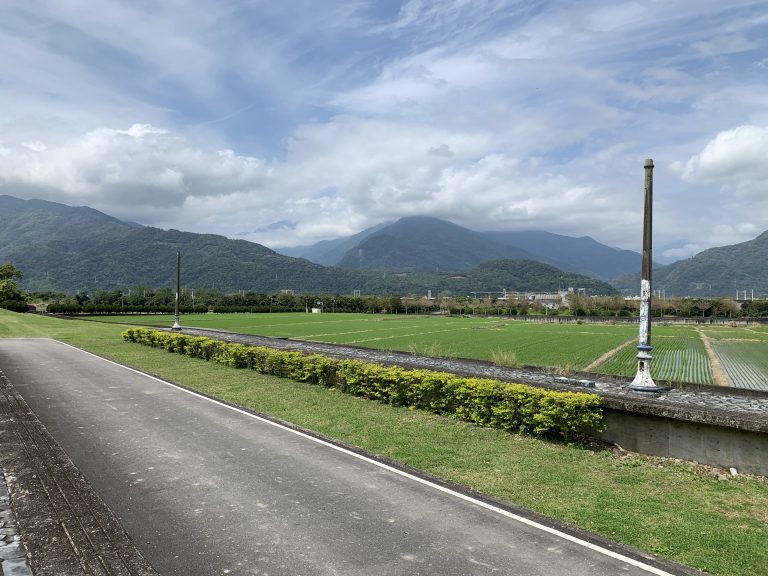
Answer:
(144, 300)
(139, 299)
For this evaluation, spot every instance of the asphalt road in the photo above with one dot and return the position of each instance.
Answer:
(206, 489)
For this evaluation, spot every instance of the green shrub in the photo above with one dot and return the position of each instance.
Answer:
(511, 407)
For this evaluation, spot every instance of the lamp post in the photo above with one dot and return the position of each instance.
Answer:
(643, 381)
(176, 326)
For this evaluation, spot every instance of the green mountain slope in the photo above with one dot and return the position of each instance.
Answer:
(330, 252)
(489, 276)
(425, 244)
(712, 273)
(582, 255)
(420, 243)
(79, 249)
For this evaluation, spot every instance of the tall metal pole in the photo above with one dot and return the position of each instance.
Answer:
(176, 325)
(643, 381)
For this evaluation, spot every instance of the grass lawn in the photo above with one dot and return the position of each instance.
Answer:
(672, 509)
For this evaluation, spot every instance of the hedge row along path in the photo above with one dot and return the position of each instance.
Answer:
(483, 401)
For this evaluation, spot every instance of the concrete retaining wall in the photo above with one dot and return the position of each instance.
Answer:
(721, 446)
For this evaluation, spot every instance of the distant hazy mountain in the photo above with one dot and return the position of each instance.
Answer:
(715, 272)
(74, 249)
(424, 244)
(330, 252)
(582, 255)
(429, 244)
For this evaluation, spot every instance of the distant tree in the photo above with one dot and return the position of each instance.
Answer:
(9, 272)
(725, 307)
(395, 304)
(81, 298)
(755, 308)
(11, 296)
(577, 303)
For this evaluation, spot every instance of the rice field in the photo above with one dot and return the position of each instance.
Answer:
(569, 346)
(679, 353)
(745, 363)
(678, 357)
(741, 333)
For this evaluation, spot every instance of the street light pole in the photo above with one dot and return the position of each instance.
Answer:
(643, 381)
(176, 326)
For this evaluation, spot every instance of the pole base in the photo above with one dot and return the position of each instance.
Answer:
(651, 389)
(643, 381)
(176, 326)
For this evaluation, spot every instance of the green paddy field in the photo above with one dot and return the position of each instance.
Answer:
(681, 353)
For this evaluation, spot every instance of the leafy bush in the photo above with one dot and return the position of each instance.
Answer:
(511, 407)
(14, 305)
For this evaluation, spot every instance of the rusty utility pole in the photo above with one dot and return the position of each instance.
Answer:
(176, 326)
(643, 381)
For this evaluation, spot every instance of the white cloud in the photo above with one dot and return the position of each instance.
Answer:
(339, 176)
(34, 146)
(682, 252)
(736, 158)
(731, 44)
(134, 173)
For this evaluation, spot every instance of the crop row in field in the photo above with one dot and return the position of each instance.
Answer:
(745, 363)
(677, 358)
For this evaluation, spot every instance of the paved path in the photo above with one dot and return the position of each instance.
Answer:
(206, 489)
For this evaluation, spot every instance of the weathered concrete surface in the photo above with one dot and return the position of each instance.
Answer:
(722, 446)
(205, 489)
(64, 526)
(13, 554)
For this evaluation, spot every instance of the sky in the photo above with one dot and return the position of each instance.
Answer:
(286, 123)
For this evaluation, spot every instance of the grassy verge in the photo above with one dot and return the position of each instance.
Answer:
(675, 510)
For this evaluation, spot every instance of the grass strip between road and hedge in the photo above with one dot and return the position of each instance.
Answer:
(675, 509)
(482, 401)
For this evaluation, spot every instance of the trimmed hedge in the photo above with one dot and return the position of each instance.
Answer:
(511, 407)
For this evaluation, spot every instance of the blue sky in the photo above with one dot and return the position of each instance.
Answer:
(290, 122)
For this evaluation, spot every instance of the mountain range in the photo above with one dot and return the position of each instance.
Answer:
(421, 243)
(424, 243)
(71, 249)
